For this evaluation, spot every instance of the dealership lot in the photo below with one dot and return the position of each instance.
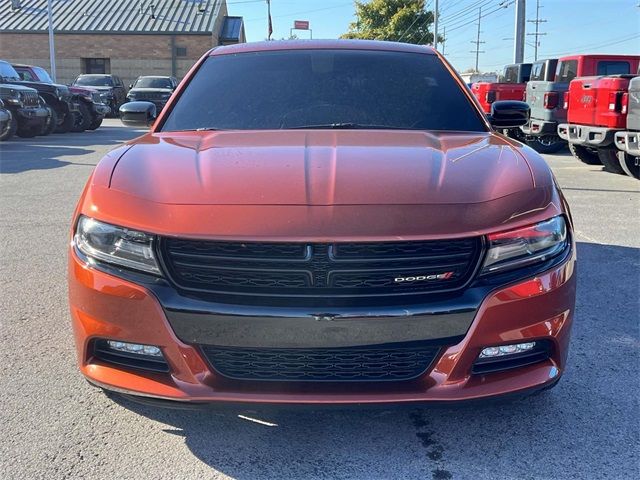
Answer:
(57, 426)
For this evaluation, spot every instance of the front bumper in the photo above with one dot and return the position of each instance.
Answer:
(540, 307)
(32, 116)
(101, 110)
(586, 135)
(538, 128)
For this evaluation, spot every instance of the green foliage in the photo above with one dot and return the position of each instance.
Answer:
(394, 20)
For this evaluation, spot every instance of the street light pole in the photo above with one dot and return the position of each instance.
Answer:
(52, 48)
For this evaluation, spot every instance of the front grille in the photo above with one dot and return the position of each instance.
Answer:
(30, 99)
(150, 96)
(349, 364)
(96, 97)
(319, 269)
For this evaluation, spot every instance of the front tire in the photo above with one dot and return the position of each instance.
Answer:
(95, 123)
(584, 154)
(81, 119)
(609, 158)
(11, 131)
(66, 124)
(51, 126)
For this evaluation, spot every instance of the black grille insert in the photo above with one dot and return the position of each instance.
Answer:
(319, 269)
(348, 364)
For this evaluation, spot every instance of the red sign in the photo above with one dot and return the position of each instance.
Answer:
(301, 24)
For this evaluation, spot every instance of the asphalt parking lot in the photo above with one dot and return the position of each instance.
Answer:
(55, 425)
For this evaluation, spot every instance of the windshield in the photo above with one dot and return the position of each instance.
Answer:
(94, 81)
(7, 71)
(43, 75)
(152, 82)
(323, 89)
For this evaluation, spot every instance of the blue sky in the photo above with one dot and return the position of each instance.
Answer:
(573, 26)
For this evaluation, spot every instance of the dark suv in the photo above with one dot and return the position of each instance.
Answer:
(112, 90)
(156, 90)
(28, 117)
(57, 97)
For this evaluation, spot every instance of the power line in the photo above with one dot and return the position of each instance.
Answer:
(537, 33)
(497, 9)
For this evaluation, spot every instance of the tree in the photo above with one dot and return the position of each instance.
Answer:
(395, 20)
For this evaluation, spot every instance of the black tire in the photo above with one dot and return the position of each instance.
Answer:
(95, 123)
(11, 131)
(29, 132)
(584, 154)
(630, 164)
(51, 126)
(609, 158)
(81, 119)
(65, 125)
(547, 144)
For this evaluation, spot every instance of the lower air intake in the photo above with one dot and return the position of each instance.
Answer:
(349, 364)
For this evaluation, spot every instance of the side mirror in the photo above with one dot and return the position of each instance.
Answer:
(138, 114)
(509, 114)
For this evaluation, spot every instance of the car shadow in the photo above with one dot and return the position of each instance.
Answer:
(480, 440)
(41, 153)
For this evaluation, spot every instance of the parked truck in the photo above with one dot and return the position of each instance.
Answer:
(510, 86)
(596, 112)
(628, 141)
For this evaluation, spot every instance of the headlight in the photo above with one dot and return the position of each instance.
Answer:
(524, 246)
(15, 98)
(116, 245)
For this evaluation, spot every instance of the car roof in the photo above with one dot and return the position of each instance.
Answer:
(322, 45)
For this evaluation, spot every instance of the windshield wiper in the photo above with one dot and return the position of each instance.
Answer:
(201, 129)
(346, 126)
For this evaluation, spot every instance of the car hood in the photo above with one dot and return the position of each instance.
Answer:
(13, 86)
(96, 87)
(321, 167)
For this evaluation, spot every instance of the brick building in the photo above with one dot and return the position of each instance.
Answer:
(123, 37)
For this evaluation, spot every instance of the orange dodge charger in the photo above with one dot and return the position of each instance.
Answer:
(322, 222)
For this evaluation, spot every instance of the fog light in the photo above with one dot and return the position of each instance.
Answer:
(500, 351)
(150, 350)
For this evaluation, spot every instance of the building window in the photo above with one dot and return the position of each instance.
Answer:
(96, 65)
(181, 51)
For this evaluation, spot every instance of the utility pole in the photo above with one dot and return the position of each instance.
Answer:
(537, 33)
(52, 48)
(435, 25)
(269, 23)
(478, 42)
(519, 33)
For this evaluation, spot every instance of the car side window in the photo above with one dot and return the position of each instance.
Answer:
(26, 75)
(538, 71)
(607, 67)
